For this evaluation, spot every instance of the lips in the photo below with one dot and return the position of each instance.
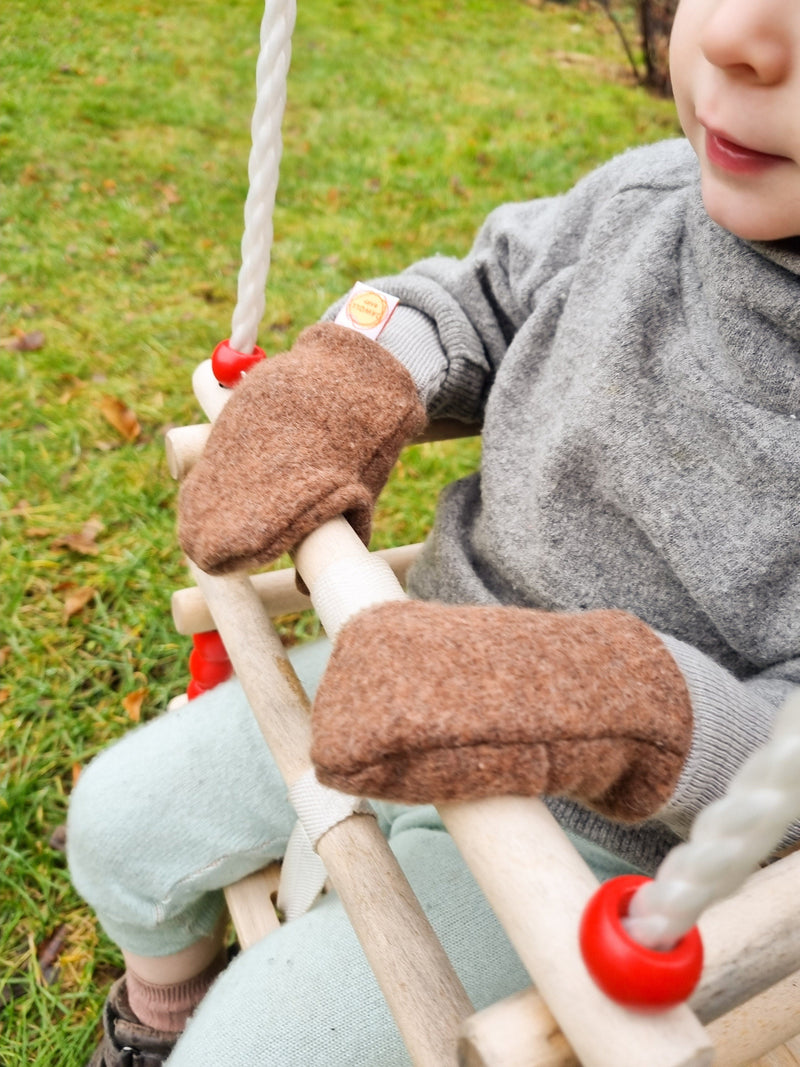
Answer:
(736, 158)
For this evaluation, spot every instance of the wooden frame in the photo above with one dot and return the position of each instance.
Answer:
(536, 882)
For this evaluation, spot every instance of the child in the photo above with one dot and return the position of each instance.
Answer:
(609, 612)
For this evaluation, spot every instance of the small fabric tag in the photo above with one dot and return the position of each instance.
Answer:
(367, 310)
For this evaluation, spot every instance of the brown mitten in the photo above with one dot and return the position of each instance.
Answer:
(307, 435)
(429, 702)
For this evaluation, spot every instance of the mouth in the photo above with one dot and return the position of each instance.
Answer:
(736, 158)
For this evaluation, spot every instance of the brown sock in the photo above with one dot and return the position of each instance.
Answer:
(426, 702)
(168, 1007)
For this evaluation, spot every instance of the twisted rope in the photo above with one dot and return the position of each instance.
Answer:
(272, 72)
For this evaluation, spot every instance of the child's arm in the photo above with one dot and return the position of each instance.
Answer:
(426, 702)
(307, 435)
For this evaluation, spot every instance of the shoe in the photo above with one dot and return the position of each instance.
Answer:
(127, 1042)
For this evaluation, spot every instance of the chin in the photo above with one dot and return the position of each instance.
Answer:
(752, 221)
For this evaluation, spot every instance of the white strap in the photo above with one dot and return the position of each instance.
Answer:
(303, 872)
(348, 585)
(319, 808)
(303, 875)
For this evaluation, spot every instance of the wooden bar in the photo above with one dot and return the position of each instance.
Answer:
(415, 975)
(277, 591)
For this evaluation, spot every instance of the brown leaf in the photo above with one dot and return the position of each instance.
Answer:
(84, 540)
(58, 839)
(77, 599)
(49, 952)
(5, 694)
(24, 342)
(132, 703)
(120, 416)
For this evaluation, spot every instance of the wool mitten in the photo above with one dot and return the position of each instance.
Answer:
(307, 435)
(425, 702)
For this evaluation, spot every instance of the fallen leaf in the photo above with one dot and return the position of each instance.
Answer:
(24, 342)
(169, 192)
(58, 838)
(132, 704)
(4, 695)
(77, 599)
(48, 953)
(84, 540)
(120, 416)
(76, 773)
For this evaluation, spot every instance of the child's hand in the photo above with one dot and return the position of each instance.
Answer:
(426, 702)
(308, 435)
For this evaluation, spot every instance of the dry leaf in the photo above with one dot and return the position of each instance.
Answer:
(4, 695)
(76, 773)
(24, 342)
(132, 704)
(121, 417)
(77, 599)
(169, 192)
(84, 540)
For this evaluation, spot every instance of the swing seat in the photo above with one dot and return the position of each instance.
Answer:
(746, 1009)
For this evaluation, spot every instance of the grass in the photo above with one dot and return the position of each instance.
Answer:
(124, 135)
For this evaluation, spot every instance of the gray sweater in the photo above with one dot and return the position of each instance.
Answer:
(637, 372)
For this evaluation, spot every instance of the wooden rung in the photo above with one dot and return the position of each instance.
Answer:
(415, 975)
(251, 907)
(184, 444)
(277, 591)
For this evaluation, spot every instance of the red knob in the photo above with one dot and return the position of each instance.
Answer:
(208, 672)
(229, 365)
(209, 645)
(637, 977)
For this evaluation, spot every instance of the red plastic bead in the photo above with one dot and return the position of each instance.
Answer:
(637, 977)
(208, 672)
(229, 365)
(194, 689)
(209, 645)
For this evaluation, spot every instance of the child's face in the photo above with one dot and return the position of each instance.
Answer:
(735, 68)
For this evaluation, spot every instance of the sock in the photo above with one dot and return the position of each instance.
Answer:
(168, 1007)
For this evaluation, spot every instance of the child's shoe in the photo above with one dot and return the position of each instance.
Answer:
(127, 1042)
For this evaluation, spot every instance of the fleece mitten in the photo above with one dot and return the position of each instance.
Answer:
(425, 702)
(307, 435)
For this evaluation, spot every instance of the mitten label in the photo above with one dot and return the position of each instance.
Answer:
(367, 310)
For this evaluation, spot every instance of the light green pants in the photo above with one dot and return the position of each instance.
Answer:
(192, 801)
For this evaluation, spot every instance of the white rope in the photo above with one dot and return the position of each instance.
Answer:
(728, 840)
(272, 71)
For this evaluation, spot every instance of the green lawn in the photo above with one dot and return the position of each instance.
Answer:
(124, 137)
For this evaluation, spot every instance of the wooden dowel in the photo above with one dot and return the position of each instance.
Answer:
(277, 591)
(184, 444)
(759, 1027)
(521, 1031)
(416, 977)
(250, 904)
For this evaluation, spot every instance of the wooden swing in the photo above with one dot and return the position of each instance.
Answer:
(748, 1000)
